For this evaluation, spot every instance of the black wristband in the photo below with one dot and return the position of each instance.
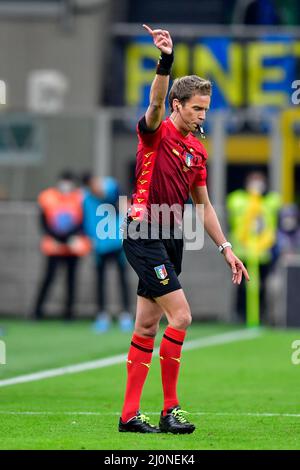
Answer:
(165, 64)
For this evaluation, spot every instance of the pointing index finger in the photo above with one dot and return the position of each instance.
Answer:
(148, 29)
(245, 272)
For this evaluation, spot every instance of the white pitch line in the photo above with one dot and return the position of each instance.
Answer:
(224, 338)
(117, 413)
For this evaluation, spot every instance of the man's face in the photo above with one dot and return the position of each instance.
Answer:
(256, 183)
(96, 186)
(66, 186)
(193, 112)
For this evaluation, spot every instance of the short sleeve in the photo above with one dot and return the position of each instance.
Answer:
(148, 137)
(201, 177)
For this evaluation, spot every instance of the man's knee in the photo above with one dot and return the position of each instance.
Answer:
(181, 318)
(146, 329)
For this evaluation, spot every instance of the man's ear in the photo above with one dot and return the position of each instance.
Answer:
(176, 104)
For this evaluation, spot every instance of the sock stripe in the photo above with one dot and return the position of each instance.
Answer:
(141, 347)
(173, 340)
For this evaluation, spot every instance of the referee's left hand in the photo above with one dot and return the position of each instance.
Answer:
(161, 39)
(236, 265)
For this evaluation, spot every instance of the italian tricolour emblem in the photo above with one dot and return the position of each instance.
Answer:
(161, 271)
(188, 159)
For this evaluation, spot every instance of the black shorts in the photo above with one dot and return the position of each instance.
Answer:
(157, 263)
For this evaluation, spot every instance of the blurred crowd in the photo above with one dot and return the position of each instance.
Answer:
(79, 216)
(83, 216)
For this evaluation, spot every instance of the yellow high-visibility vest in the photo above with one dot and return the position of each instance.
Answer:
(253, 221)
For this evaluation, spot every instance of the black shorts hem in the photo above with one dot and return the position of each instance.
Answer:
(153, 297)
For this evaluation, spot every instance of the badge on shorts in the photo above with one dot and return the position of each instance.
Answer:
(161, 271)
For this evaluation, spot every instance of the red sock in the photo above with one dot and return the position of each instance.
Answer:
(170, 352)
(138, 364)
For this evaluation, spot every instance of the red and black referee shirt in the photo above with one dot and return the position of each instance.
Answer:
(168, 166)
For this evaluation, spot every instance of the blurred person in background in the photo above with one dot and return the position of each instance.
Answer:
(107, 247)
(63, 242)
(170, 166)
(286, 248)
(253, 219)
(289, 12)
(256, 12)
(288, 233)
(266, 12)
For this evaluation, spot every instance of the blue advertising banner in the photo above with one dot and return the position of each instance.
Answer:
(256, 72)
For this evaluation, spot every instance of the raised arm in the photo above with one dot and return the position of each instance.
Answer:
(159, 89)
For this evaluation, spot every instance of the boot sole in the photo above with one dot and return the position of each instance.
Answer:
(178, 431)
(140, 432)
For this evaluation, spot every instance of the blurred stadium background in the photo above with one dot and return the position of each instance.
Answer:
(74, 78)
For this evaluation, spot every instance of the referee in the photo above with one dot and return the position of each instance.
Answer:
(171, 166)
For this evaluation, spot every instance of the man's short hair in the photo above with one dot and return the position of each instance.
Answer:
(185, 87)
(67, 175)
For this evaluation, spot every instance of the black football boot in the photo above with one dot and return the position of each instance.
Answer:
(175, 422)
(139, 423)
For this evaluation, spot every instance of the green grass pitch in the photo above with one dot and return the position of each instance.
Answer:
(241, 395)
